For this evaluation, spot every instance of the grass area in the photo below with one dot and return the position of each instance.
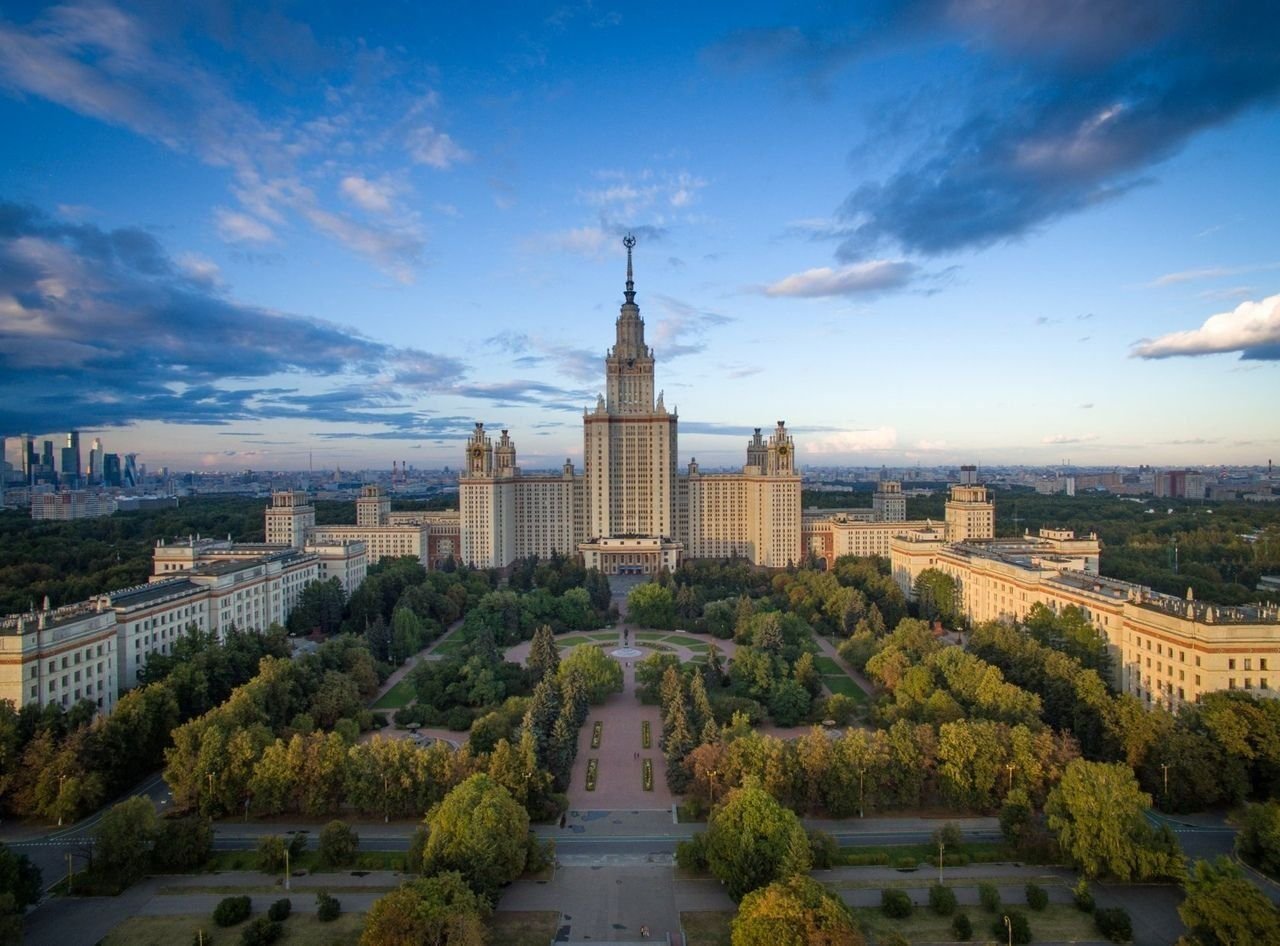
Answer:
(706, 927)
(300, 929)
(695, 647)
(307, 860)
(845, 685)
(300, 889)
(925, 855)
(450, 647)
(827, 666)
(523, 927)
(604, 636)
(648, 635)
(400, 695)
(1059, 922)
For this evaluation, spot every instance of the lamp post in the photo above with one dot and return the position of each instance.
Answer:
(942, 846)
(61, 778)
(386, 815)
(712, 777)
(1008, 925)
(1009, 767)
(861, 812)
(286, 865)
(210, 796)
(1165, 767)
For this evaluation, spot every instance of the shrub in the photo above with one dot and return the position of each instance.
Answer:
(231, 910)
(327, 908)
(1019, 930)
(1114, 924)
(596, 732)
(338, 844)
(647, 777)
(458, 719)
(894, 939)
(989, 896)
(646, 736)
(962, 927)
(692, 854)
(280, 910)
(1083, 896)
(271, 854)
(896, 904)
(593, 767)
(942, 900)
(1037, 897)
(261, 932)
(822, 849)
(183, 844)
(906, 862)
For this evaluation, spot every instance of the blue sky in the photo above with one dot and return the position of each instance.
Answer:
(234, 235)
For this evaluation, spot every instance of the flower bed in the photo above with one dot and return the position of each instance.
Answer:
(592, 766)
(645, 738)
(595, 735)
(648, 775)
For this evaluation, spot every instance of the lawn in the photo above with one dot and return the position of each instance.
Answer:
(706, 927)
(845, 685)
(523, 927)
(307, 860)
(451, 647)
(300, 928)
(1059, 922)
(828, 666)
(400, 695)
(573, 640)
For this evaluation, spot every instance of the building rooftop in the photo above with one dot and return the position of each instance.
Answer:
(142, 595)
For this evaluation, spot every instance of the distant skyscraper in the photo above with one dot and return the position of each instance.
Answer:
(69, 469)
(47, 465)
(130, 469)
(111, 474)
(95, 461)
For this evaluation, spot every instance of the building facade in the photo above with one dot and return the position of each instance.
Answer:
(1166, 650)
(630, 511)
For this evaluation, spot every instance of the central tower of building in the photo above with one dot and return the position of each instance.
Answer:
(629, 450)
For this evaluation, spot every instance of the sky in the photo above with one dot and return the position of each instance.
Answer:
(272, 234)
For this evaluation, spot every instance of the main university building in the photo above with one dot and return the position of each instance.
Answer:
(630, 511)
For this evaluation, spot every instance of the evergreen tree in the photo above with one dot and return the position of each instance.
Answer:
(700, 712)
(544, 657)
(678, 744)
(562, 749)
(540, 717)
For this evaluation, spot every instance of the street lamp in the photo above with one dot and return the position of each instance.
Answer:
(386, 815)
(61, 778)
(286, 863)
(1008, 925)
(1009, 767)
(1165, 767)
(861, 813)
(712, 776)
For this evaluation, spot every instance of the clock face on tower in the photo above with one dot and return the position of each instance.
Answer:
(782, 451)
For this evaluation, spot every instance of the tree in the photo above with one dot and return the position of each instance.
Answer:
(936, 596)
(544, 656)
(123, 840)
(1096, 811)
(183, 844)
(652, 605)
(1223, 908)
(1260, 837)
(597, 674)
(797, 911)
(339, 844)
(441, 910)
(752, 840)
(19, 878)
(789, 703)
(480, 831)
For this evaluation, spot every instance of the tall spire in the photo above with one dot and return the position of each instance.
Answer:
(629, 241)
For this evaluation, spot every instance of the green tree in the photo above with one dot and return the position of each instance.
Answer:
(1097, 813)
(789, 703)
(19, 878)
(544, 656)
(1260, 837)
(123, 840)
(1222, 908)
(480, 831)
(936, 596)
(796, 911)
(752, 841)
(441, 910)
(339, 844)
(596, 673)
(183, 844)
(651, 605)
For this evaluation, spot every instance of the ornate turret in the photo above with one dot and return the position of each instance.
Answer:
(629, 364)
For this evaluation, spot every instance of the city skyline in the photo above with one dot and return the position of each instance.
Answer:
(939, 234)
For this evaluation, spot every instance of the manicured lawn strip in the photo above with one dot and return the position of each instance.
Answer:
(707, 927)
(301, 928)
(695, 647)
(573, 640)
(604, 636)
(827, 666)
(976, 852)
(646, 736)
(647, 776)
(845, 685)
(648, 635)
(1059, 922)
(597, 731)
(402, 694)
(523, 927)
(307, 860)
(593, 768)
(450, 647)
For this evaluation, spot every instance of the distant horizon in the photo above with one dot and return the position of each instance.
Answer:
(968, 234)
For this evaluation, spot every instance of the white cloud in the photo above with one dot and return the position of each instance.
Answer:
(199, 269)
(853, 441)
(583, 241)
(435, 148)
(1251, 328)
(368, 195)
(854, 279)
(236, 227)
(1068, 438)
(1208, 272)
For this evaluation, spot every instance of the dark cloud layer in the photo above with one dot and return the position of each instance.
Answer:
(1080, 100)
(101, 328)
